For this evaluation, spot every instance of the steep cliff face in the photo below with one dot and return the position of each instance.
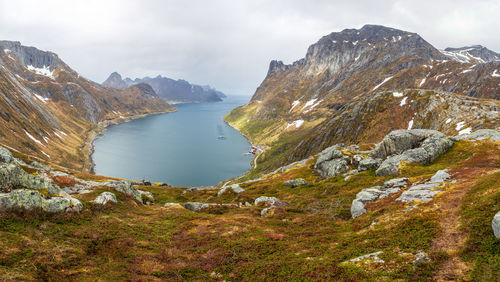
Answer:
(47, 108)
(170, 90)
(333, 93)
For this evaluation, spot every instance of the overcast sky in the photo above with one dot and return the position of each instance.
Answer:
(227, 44)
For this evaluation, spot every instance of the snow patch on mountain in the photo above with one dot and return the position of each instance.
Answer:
(384, 81)
(296, 123)
(45, 71)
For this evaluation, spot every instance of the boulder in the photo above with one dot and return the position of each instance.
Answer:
(495, 224)
(147, 197)
(429, 150)
(329, 154)
(5, 156)
(12, 176)
(196, 206)
(356, 159)
(425, 192)
(369, 163)
(104, 198)
(38, 165)
(235, 188)
(296, 182)
(125, 187)
(270, 201)
(398, 141)
(332, 162)
(374, 193)
(32, 199)
(357, 208)
(371, 257)
(172, 205)
(332, 168)
(480, 134)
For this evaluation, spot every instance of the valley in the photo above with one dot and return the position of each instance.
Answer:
(377, 158)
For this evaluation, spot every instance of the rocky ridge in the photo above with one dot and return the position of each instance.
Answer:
(358, 85)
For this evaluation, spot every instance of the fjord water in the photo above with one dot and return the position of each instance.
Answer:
(180, 148)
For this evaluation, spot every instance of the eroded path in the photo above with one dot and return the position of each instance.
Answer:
(452, 239)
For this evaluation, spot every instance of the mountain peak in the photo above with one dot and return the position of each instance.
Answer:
(473, 53)
(31, 56)
(115, 81)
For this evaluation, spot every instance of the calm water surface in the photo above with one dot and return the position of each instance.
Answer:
(180, 148)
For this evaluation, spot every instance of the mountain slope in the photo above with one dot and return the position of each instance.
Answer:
(335, 93)
(49, 110)
(170, 90)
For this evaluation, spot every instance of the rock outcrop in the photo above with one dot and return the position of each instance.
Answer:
(34, 200)
(417, 145)
(374, 193)
(104, 198)
(426, 191)
(235, 188)
(480, 134)
(125, 187)
(332, 162)
(296, 182)
(270, 202)
(495, 224)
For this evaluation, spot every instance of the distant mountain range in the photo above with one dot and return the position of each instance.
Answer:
(170, 90)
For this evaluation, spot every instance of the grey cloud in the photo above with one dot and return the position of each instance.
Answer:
(227, 44)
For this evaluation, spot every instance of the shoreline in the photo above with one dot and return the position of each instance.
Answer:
(100, 127)
(253, 162)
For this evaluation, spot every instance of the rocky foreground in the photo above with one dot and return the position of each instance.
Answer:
(418, 205)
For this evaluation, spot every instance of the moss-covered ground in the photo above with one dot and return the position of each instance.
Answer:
(309, 239)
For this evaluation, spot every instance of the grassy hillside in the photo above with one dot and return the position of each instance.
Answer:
(311, 238)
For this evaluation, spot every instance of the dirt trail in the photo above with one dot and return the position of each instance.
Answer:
(452, 238)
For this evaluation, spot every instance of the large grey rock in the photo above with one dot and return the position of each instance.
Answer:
(420, 192)
(172, 205)
(235, 188)
(12, 176)
(332, 162)
(296, 182)
(329, 154)
(440, 176)
(32, 199)
(147, 197)
(356, 159)
(430, 148)
(125, 187)
(5, 156)
(495, 224)
(38, 165)
(398, 141)
(480, 134)
(372, 256)
(333, 167)
(104, 198)
(196, 206)
(270, 201)
(368, 163)
(425, 192)
(357, 208)
(374, 193)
